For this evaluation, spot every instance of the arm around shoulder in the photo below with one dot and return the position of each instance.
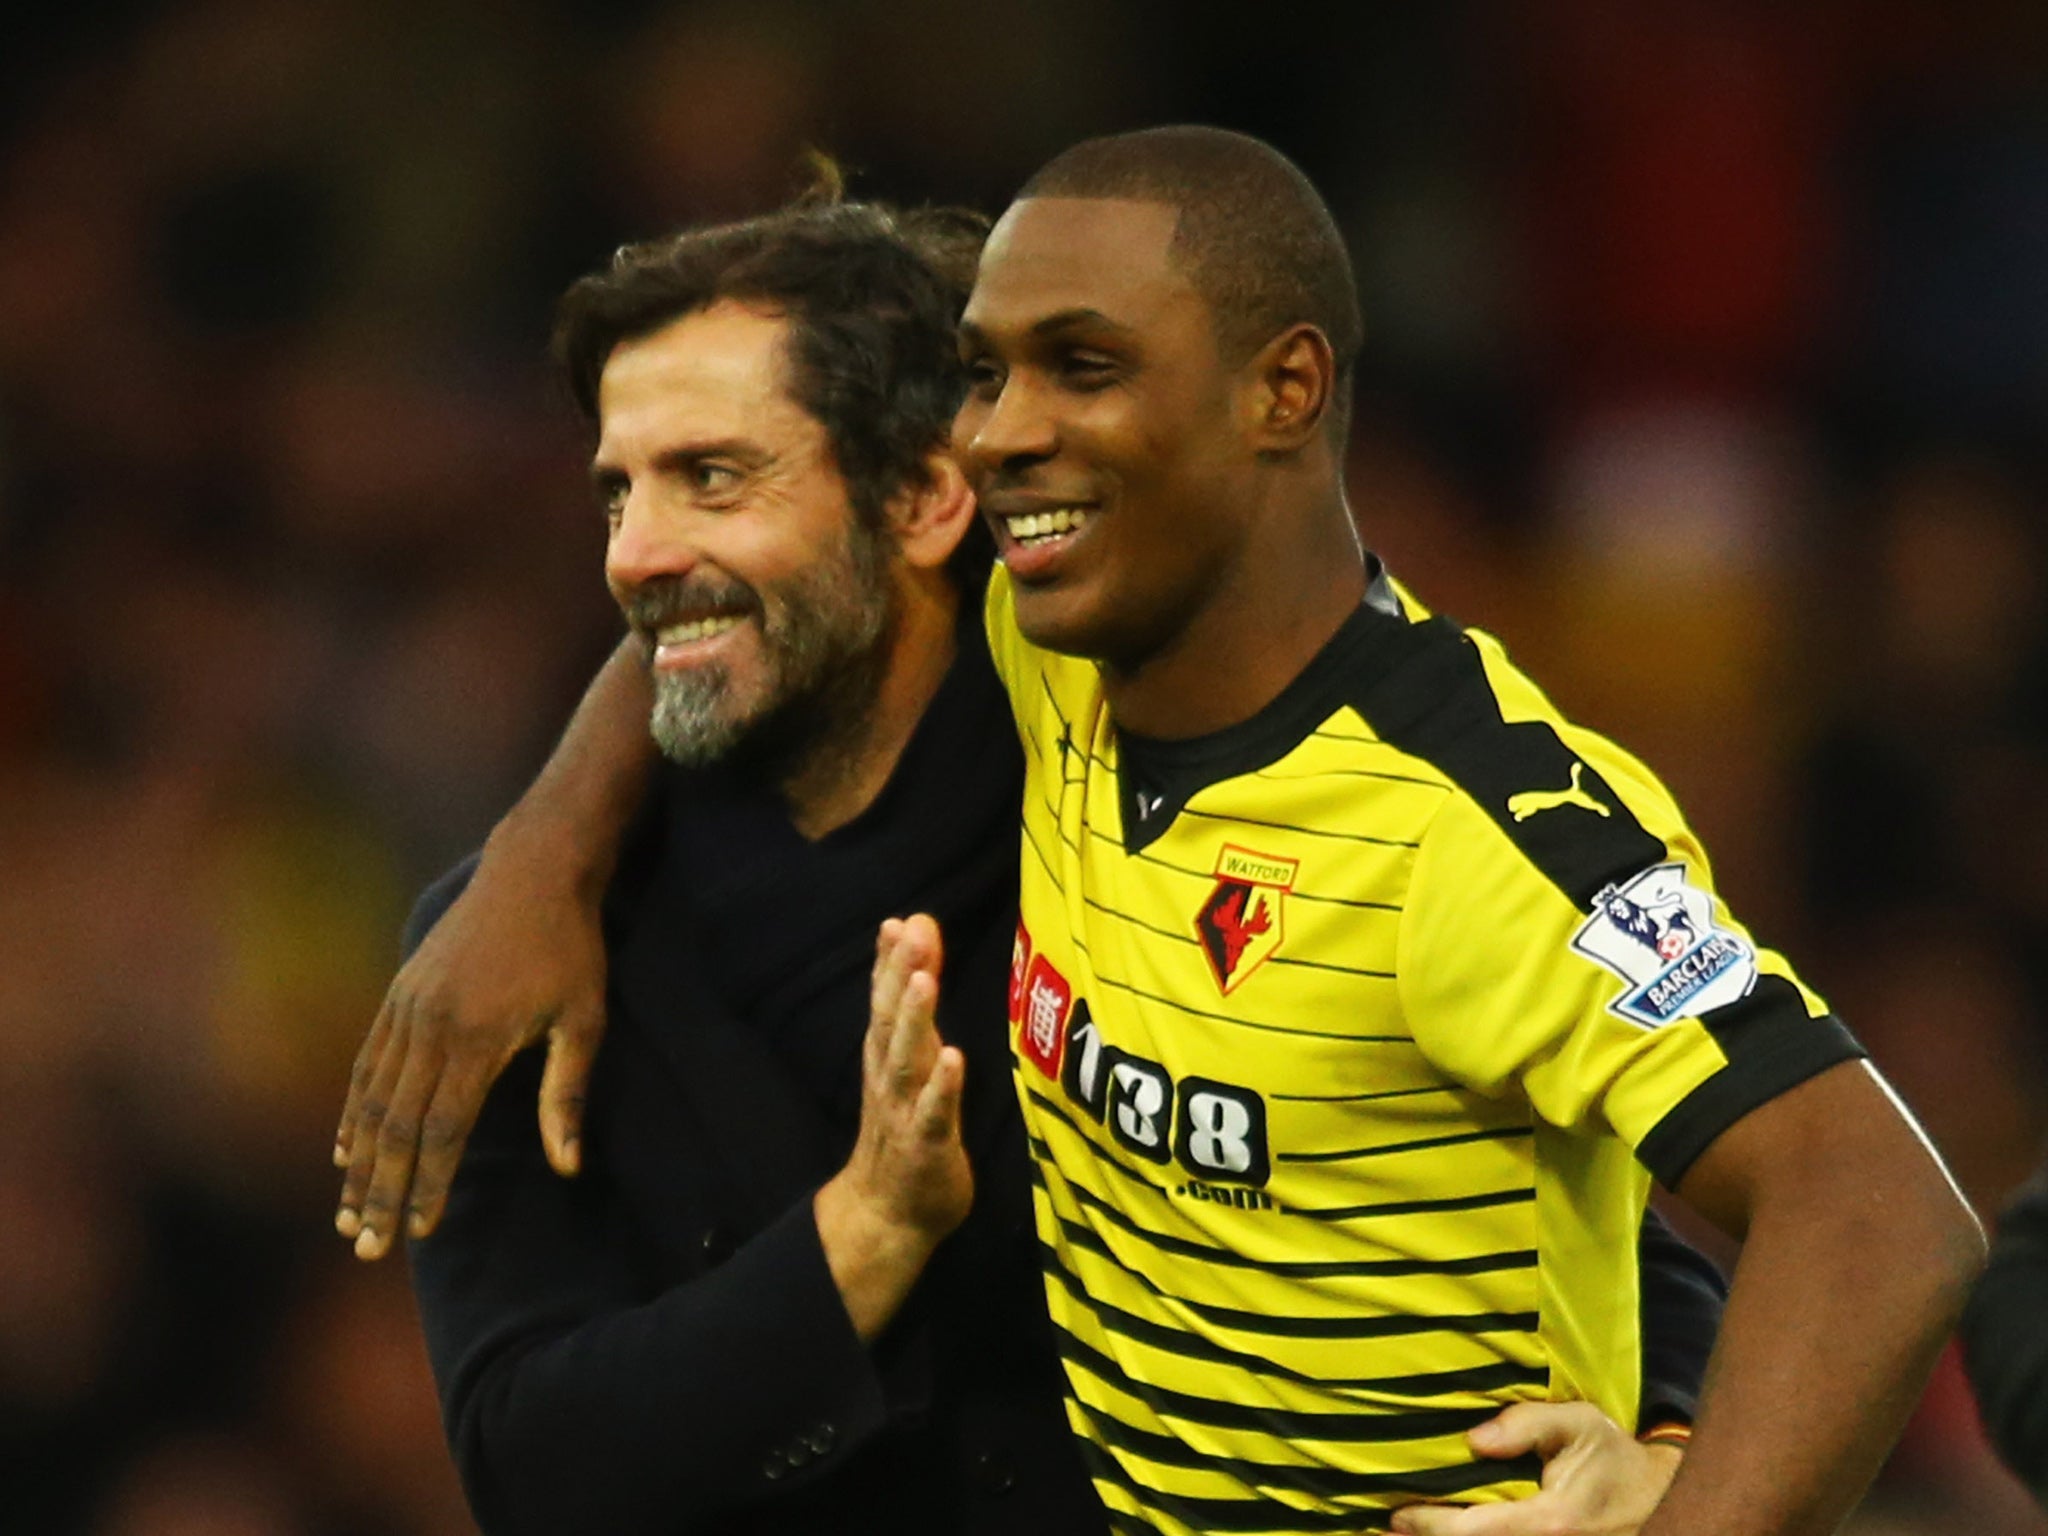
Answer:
(511, 954)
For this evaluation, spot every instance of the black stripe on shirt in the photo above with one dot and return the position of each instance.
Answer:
(1515, 1196)
(1360, 1098)
(1393, 1326)
(1435, 702)
(1365, 1425)
(1210, 1514)
(1772, 1044)
(1304, 1269)
(1348, 773)
(1244, 1023)
(1496, 1377)
(1288, 826)
(1253, 1514)
(1438, 1482)
(1354, 1154)
(1042, 1157)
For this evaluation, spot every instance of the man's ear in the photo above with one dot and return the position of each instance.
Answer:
(1292, 380)
(929, 518)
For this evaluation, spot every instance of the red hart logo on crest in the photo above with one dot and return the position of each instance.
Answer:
(1240, 925)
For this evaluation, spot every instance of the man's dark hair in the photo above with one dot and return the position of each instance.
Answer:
(872, 294)
(1253, 234)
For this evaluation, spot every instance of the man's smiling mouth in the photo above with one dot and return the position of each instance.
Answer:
(697, 629)
(1030, 528)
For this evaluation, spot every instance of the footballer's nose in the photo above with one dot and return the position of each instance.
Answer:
(1013, 430)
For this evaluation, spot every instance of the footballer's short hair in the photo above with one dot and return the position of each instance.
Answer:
(1252, 233)
(872, 294)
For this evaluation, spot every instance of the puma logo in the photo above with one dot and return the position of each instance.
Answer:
(1533, 802)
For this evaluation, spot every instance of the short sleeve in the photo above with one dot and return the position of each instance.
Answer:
(1636, 1005)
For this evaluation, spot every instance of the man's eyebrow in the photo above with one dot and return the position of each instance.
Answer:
(1067, 319)
(1052, 324)
(602, 471)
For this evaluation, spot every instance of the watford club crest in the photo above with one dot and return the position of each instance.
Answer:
(1240, 924)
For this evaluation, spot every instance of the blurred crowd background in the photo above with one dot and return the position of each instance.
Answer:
(1708, 366)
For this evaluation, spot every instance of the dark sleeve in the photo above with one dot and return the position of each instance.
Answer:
(577, 1396)
(1683, 1296)
(2005, 1336)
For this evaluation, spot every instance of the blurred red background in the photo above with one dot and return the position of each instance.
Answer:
(1709, 367)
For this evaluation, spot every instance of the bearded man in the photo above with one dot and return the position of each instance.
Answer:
(795, 1286)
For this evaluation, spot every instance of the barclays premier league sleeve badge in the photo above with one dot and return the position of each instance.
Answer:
(1657, 933)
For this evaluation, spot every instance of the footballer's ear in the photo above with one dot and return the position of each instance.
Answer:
(1290, 383)
(930, 516)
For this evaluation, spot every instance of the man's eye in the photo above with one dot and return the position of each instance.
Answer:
(984, 379)
(713, 478)
(1086, 370)
(612, 498)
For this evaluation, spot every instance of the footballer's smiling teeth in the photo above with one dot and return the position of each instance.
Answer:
(697, 629)
(1041, 527)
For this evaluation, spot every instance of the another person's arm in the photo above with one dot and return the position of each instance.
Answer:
(1599, 1480)
(517, 959)
(1683, 1297)
(580, 1398)
(2005, 1336)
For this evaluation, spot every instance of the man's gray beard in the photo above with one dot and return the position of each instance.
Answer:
(825, 656)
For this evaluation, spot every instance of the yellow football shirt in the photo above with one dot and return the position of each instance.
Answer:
(1348, 1040)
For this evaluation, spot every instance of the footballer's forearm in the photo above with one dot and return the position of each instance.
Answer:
(1858, 1255)
(574, 815)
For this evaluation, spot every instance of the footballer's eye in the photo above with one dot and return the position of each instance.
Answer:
(984, 378)
(612, 491)
(1087, 370)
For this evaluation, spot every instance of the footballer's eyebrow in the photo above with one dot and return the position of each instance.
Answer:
(972, 335)
(1073, 319)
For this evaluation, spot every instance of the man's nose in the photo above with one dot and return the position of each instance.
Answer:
(1016, 428)
(646, 544)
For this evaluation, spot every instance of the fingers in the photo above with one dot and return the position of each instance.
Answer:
(907, 944)
(564, 1086)
(922, 933)
(444, 1131)
(394, 1149)
(914, 1042)
(903, 947)
(379, 1077)
(1447, 1520)
(937, 1117)
(359, 1078)
(885, 995)
(1545, 1428)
